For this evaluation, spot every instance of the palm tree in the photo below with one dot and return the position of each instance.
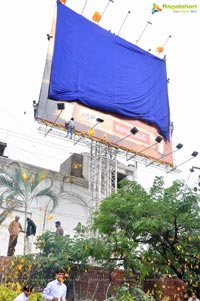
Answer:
(19, 188)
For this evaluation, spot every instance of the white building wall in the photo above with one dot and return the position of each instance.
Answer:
(72, 208)
(74, 203)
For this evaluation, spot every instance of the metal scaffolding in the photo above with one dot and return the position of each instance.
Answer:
(103, 172)
(102, 164)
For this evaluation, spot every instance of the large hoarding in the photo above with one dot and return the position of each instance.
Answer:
(115, 130)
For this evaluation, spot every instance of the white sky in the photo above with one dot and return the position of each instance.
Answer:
(24, 25)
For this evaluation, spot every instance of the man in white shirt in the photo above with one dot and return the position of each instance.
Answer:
(56, 290)
(24, 295)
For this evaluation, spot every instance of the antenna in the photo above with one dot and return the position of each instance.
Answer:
(166, 40)
(160, 49)
(84, 6)
(97, 16)
(98, 120)
(109, 1)
(158, 139)
(124, 21)
(148, 23)
(133, 131)
(179, 146)
(61, 107)
(194, 154)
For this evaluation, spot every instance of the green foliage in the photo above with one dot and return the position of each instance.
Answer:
(8, 294)
(126, 293)
(69, 253)
(156, 232)
(36, 297)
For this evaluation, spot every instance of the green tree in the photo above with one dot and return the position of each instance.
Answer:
(115, 222)
(69, 252)
(156, 231)
(19, 188)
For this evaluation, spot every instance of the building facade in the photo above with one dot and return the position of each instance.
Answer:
(71, 184)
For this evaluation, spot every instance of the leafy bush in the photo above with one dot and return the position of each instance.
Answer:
(126, 293)
(8, 294)
(36, 297)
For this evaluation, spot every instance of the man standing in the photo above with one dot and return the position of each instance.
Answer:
(14, 229)
(59, 229)
(35, 105)
(30, 233)
(55, 290)
(70, 128)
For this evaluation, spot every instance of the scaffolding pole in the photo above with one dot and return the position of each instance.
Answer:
(103, 172)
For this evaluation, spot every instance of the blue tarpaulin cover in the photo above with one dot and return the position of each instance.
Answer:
(105, 72)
